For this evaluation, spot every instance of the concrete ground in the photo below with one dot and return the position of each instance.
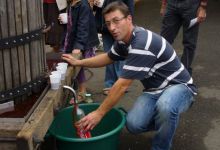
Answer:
(199, 128)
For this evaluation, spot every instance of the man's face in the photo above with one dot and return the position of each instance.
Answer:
(119, 25)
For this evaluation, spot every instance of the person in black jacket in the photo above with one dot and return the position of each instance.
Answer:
(112, 71)
(81, 36)
(181, 13)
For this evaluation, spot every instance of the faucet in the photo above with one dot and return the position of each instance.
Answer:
(73, 91)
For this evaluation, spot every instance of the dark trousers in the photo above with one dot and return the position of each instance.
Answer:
(178, 14)
(54, 36)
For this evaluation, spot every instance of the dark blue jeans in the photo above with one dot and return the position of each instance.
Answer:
(179, 13)
(160, 112)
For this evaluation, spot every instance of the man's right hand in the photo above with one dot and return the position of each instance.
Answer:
(90, 120)
(96, 2)
(71, 60)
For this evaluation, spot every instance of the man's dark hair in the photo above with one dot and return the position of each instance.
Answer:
(117, 5)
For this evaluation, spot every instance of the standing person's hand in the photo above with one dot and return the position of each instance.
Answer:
(63, 18)
(96, 2)
(201, 14)
(76, 51)
(60, 20)
(91, 3)
(162, 9)
(99, 3)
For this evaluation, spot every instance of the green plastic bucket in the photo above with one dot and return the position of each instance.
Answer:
(105, 136)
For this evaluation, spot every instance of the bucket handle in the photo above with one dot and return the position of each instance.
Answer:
(123, 110)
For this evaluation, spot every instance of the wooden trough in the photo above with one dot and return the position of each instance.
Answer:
(21, 134)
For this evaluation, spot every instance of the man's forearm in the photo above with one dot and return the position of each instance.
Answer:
(115, 94)
(97, 61)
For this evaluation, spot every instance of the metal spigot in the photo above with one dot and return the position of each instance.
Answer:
(73, 91)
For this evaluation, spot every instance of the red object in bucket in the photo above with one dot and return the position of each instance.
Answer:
(77, 115)
(81, 133)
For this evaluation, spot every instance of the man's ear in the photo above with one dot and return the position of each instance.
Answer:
(129, 17)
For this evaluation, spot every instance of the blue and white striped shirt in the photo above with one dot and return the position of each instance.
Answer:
(152, 60)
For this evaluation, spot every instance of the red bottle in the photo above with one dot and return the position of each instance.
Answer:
(77, 115)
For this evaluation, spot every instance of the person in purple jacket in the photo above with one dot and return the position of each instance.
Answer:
(81, 37)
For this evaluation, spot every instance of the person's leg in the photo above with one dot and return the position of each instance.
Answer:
(118, 67)
(54, 35)
(81, 85)
(110, 74)
(47, 21)
(190, 36)
(171, 23)
(140, 118)
(45, 11)
(172, 102)
(81, 77)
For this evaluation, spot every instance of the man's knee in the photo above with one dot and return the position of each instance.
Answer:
(132, 125)
(165, 111)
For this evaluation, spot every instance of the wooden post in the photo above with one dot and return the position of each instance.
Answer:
(23, 63)
(26, 46)
(6, 76)
(20, 49)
